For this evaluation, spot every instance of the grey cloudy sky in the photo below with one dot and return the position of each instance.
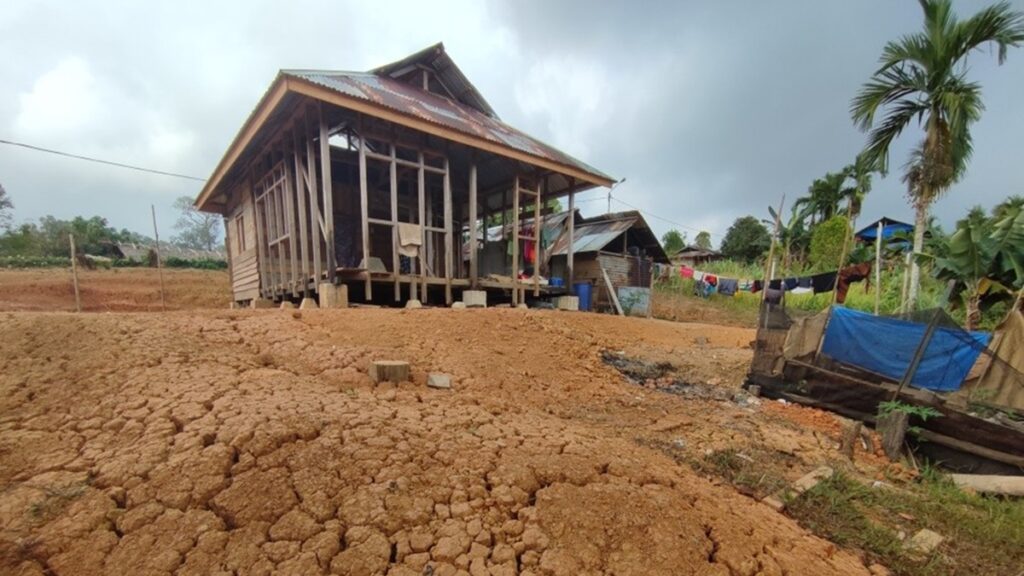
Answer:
(711, 110)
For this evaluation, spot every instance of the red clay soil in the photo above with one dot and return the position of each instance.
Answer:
(253, 442)
(117, 290)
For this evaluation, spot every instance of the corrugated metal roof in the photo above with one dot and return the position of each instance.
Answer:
(407, 99)
(591, 237)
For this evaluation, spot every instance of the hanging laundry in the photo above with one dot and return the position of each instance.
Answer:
(775, 284)
(802, 290)
(804, 282)
(746, 285)
(698, 275)
(757, 286)
(711, 279)
(824, 282)
(773, 296)
(852, 274)
(409, 239)
(727, 286)
(685, 272)
(789, 283)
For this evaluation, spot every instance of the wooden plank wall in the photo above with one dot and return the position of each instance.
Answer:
(245, 280)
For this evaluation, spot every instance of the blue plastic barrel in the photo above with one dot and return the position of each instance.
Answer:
(582, 289)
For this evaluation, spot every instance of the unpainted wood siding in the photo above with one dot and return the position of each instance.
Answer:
(241, 239)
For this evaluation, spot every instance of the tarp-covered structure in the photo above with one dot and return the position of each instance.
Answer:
(1002, 378)
(886, 346)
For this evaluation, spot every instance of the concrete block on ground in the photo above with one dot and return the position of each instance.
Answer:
(413, 303)
(439, 381)
(261, 303)
(811, 479)
(287, 305)
(568, 303)
(522, 306)
(389, 371)
(458, 305)
(475, 298)
(308, 304)
(925, 541)
(332, 296)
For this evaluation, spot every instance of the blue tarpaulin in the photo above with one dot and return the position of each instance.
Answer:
(886, 346)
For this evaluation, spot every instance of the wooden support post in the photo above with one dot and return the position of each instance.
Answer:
(849, 439)
(317, 222)
(422, 192)
(261, 258)
(474, 230)
(515, 241)
(74, 274)
(448, 244)
(300, 194)
(770, 263)
(915, 362)
(570, 254)
(290, 186)
(395, 262)
(611, 292)
(364, 210)
(893, 428)
(159, 264)
(650, 295)
(536, 241)
(325, 171)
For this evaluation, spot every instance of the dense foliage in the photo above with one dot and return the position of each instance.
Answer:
(746, 240)
(828, 241)
(673, 241)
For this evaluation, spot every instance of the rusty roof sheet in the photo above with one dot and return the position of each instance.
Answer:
(407, 99)
(591, 237)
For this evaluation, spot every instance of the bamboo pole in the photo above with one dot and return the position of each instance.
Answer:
(769, 265)
(159, 265)
(878, 267)
(74, 274)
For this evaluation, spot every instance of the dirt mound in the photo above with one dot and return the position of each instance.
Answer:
(117, 290)
(253, 442)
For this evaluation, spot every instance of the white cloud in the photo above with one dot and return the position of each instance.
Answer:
(568, 95)
(62, 100)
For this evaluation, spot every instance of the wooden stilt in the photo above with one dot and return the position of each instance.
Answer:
(290, 186)
(537, 225)
(515, 241)
(878, 267)
(448, 244)
(364, 210)
(570, 254)
(317, 221)
(395, 263)
(474, 231)
(328, 192)
(303, 215)
(159, 264)
(422, 192)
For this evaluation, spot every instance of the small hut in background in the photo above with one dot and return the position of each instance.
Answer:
(693, 255)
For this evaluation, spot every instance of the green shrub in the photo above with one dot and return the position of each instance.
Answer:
(34, 262)
(827, 243)
(201, 263)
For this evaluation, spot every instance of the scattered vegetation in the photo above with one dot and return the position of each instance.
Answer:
(983, 535)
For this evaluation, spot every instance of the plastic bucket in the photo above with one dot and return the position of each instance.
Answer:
(583, 290)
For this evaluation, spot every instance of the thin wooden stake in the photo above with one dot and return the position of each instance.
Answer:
(159, 266)
(74, 274)
(878, 267)
(769, 264)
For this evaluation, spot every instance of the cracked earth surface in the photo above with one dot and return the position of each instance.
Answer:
(253, 442)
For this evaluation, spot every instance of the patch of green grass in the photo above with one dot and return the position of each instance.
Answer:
(982, 535)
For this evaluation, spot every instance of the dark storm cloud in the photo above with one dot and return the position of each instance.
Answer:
(711, 110)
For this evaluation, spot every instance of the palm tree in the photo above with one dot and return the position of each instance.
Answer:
(823, 198)
(859, 175)
(923, 77)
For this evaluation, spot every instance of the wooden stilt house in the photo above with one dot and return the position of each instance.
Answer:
(376, 179)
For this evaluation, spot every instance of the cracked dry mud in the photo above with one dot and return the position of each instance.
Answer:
(253, 442)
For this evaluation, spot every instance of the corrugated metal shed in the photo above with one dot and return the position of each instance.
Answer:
(591, 237)
(408, 99)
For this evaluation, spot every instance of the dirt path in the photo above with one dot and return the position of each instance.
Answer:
(252, 442)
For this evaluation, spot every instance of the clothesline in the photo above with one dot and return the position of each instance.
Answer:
(839, 280)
